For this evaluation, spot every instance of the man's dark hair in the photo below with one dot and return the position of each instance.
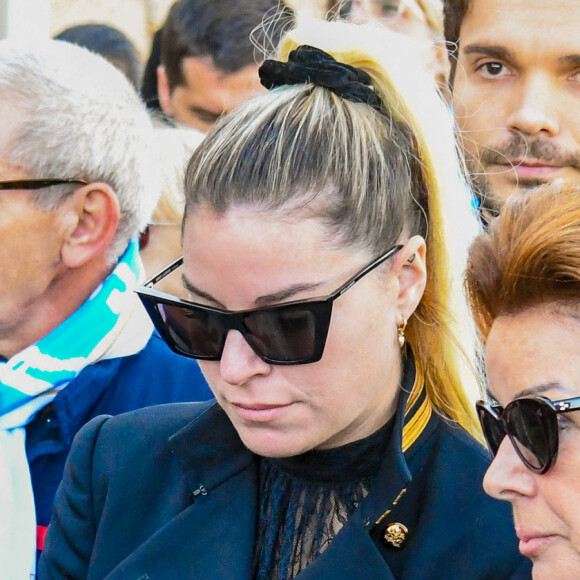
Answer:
(110, 43)
(219, 29)
(149, 79)
(454, 12)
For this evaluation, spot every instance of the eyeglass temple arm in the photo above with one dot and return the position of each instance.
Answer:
(165, 272)
(174, 265)
(350, 282)
(567, 405)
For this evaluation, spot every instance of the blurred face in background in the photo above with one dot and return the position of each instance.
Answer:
(207, 92)
(405, 17)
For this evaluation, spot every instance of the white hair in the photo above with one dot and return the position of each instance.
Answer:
(78, 117)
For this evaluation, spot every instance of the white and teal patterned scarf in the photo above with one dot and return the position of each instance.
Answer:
(110, 324)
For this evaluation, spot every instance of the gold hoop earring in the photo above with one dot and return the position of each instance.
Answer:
(401, 332)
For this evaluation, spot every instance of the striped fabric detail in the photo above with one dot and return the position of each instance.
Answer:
(417, 412)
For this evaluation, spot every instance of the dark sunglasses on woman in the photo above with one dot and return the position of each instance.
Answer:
(531, 424)
(290, 333)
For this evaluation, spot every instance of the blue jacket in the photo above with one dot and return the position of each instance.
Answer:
(154, 375)
(178, 498)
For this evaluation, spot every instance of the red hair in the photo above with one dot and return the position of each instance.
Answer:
(531, 256)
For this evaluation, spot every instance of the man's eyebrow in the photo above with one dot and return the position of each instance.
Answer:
(491, 50)
(537, 390)
(571, 60)
(267, 299)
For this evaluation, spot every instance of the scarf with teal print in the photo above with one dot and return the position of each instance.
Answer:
(110, 324)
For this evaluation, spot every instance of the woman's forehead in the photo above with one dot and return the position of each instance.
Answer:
(530, 349)
(252, 220)
(255, 237)
(236, 257)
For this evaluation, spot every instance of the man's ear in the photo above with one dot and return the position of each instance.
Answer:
(92, 218)
(163, 91)
(410, 269)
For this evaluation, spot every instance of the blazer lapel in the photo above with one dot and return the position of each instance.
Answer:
(354, 552)
(214, 537)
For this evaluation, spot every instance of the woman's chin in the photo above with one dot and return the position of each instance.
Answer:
(273, 444)
(550, 567)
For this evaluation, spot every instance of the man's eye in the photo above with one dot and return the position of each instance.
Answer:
(208, 118)
(493, 69)
(390, 7)
(345, 8)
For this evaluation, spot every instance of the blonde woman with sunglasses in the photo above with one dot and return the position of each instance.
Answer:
(319, 304)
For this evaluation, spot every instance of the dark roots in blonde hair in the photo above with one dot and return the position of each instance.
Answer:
(530, 258)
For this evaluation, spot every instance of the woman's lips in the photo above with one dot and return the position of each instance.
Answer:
(259, 412)
(532, 542)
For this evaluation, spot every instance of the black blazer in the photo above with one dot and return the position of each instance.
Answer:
(170, 492)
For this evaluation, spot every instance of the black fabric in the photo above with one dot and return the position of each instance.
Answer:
(306, 500)
(308, 64)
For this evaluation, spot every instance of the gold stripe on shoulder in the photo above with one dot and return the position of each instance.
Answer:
(415, 426)
(417, 412)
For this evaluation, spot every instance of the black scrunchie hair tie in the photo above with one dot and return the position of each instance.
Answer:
(308, 64)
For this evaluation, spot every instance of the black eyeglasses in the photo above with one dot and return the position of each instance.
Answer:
(291, 333)
(37, 183)
(531, 423)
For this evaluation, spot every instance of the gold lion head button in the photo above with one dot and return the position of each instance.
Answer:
(396, 534)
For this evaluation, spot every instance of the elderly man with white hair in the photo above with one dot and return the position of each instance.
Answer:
(78, 182)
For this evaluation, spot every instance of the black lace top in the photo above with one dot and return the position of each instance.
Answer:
(306, 500)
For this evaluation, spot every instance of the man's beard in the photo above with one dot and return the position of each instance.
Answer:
(517, 148)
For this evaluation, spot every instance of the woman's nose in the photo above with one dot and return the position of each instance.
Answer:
(507, 478)
(239, 362)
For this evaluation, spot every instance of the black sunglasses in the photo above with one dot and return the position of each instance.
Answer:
(531, 423)
(291, 333)
(37, 183)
